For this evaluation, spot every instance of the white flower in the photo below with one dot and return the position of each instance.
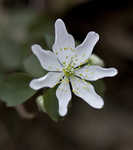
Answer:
(63, 66)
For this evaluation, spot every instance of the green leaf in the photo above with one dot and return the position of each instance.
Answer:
(41, 31)
(14, 89)
(33, 67)
(99, 87)
(11, 54)
(51, 103)
(13, 34)
(49, 39)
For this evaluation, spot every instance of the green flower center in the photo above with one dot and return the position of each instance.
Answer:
(68, 71)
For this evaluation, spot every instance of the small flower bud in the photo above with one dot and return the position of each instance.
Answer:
(40, 103)
(95, 60)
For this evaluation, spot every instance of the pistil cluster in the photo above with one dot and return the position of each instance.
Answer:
(68, 70)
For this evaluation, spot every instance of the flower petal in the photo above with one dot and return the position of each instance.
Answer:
(94, 72)
(64, 42)
(63, 94)
(86, 91)
(48, 59)
(49, 80)
(84, 50)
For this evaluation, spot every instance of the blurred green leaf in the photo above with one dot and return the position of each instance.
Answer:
(14, 89)
(11, 54)
(13, 34)
(49, 39)
(33, 67)
(99, 87)
(51, 103)
(14, 25)
(41, 31)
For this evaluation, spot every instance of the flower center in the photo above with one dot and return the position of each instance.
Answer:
(68, 71)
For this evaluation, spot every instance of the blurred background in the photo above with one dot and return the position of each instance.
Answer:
(25, 22)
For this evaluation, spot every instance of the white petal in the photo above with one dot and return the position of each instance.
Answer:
(84, 50)
(63, 94)
(94, 72)
(48, 59)
(49, 80)
(86, 91)
(64, 42)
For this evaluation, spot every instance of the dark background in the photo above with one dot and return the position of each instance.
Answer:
(84, 128)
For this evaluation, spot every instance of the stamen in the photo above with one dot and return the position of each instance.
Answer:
(68, 71)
